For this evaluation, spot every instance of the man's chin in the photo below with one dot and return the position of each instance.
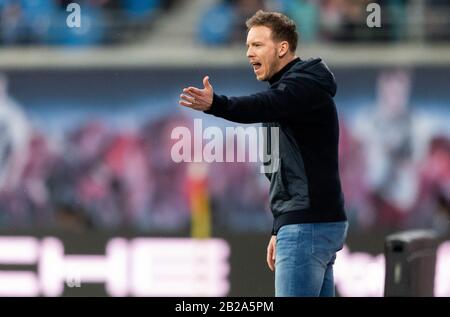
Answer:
(261, 78)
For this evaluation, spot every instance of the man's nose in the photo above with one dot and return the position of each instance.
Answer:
(250, 52)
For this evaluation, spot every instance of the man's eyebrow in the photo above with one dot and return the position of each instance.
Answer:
(253, 43)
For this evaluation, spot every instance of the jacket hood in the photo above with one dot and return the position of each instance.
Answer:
(316, 70)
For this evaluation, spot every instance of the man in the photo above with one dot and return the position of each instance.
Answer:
(310, 224)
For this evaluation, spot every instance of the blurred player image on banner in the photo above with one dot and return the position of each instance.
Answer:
(15, 134)
(386, 131)
(306, 199)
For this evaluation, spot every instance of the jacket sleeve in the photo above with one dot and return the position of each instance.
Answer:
(273, 232)
(290, 98)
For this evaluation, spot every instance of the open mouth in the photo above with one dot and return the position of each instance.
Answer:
(256, 66)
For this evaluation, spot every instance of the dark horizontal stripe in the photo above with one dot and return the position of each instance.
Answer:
(307, 216)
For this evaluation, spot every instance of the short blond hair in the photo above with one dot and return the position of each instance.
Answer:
(282, 27)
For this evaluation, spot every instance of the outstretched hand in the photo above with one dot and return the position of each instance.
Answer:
(198, 99)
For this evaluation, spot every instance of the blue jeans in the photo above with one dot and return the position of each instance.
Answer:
(304, 258)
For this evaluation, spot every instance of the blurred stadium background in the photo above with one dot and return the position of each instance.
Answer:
(91, 203)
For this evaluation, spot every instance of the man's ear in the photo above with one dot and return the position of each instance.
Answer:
(283, 48)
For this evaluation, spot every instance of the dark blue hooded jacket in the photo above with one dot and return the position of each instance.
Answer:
(306, 186)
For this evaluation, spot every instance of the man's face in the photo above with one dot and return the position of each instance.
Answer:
(262, 52)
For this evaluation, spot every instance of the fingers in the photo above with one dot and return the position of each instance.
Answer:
(274, 251)
(198, 99)
(206, 83)
(186, 104)
(193, 91)
(193, 103)
(187, 98)
(270, 261)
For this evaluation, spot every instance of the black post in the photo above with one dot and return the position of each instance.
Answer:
(410, 263)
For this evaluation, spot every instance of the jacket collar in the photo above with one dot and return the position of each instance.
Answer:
(281, 72)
